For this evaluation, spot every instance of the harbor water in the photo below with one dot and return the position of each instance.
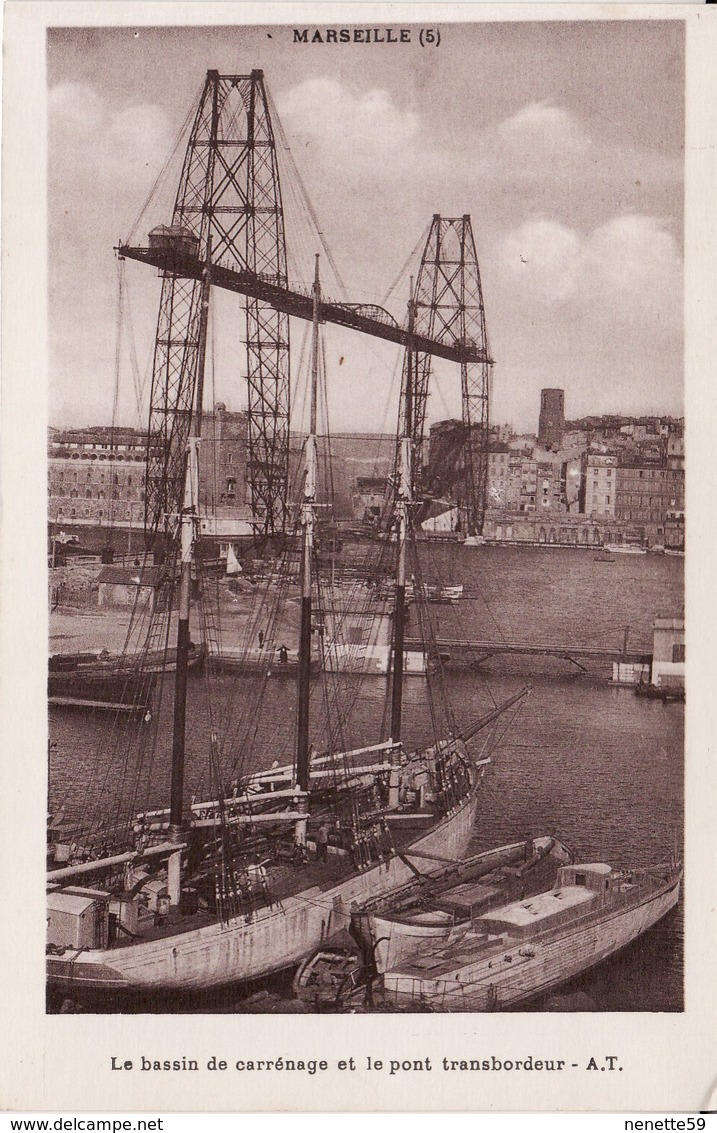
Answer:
(591, 762)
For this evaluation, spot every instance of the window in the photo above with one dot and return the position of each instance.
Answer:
(607, 499)
(678, 654)
(581, 879)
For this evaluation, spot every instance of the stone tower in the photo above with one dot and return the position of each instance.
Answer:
(552, 418)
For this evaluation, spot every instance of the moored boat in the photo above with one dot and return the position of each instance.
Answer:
(330, 975)
(436, 593)
(516, 952)
(439, 903)
(663, 692)
(625, 549)
(87, 678)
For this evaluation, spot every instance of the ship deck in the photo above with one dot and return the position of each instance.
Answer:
(284, 880)
(505, 928)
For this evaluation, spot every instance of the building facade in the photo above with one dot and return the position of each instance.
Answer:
(648, 495)
(498, 474)
(96, 476)
(600, 485)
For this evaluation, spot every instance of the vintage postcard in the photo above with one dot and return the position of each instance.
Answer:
(356, 379)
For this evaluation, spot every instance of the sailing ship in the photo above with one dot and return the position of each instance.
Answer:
(522, 949)
(220, 892)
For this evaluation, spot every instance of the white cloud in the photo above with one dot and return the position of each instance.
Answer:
(346, 121)
(629, 267)
(106, 147)
(541, 129)
(542, 260)
(75, 108)
(635, 257)
(138, 135)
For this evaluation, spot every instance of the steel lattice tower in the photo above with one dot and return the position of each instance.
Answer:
(447, 306)
(229, 199)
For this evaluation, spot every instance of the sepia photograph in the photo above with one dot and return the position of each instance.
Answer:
(365, 530)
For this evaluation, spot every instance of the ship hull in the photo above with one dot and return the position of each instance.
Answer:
(115, 681)
(395, 938)
(276, 937)
(517, 972)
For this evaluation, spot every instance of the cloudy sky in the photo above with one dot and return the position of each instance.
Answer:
(563, 141)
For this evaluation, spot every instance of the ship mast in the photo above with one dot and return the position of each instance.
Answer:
(403, 496)
(308, 522)
(188, 533)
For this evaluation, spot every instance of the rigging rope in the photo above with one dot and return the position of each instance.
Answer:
(162, 177)
(279, 129)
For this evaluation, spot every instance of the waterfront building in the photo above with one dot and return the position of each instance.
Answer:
(528, 472)
(223, 462)
(668, 652)
(599, 484)
(549, 490)
(651, 498)
(96, 476)
(545, 527)
(498, 474)
(125, 586)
